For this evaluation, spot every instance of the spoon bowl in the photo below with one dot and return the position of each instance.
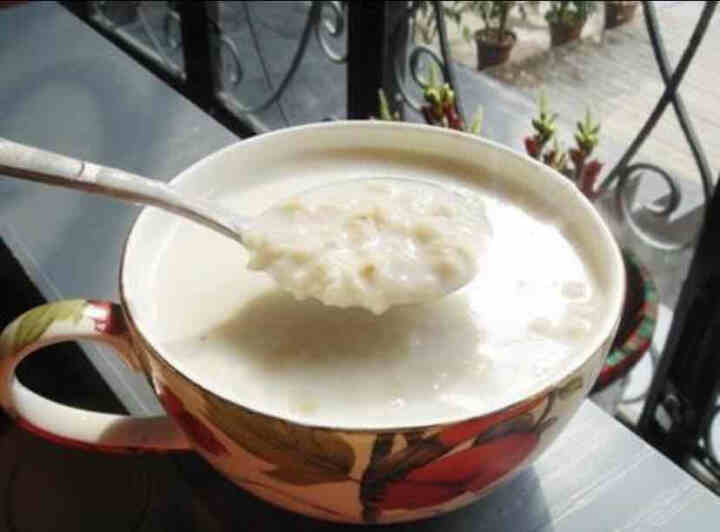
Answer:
(373, 243)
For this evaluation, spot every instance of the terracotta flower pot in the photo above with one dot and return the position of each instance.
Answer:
(617, 13)
(490, 52)
(561, 33)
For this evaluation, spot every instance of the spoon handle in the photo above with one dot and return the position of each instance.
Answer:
(33, 164)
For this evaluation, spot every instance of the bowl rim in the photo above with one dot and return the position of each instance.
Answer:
(551, 384)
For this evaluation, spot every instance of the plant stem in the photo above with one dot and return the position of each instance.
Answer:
(503, 22)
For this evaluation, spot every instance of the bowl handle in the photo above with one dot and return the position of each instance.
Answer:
(63, 321)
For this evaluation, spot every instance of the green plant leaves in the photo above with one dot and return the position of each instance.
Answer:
(385, 113)
(587, 133)
(36, 321)
(302, 455)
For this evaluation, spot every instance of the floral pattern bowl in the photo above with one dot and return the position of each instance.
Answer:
(347, 474)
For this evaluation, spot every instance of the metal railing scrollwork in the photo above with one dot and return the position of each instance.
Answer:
(333, 26)
(625, 174)
(317, 21)
(326, 19)
(628, 182)
(231, 70)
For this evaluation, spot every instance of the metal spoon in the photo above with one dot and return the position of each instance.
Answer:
(34, 164)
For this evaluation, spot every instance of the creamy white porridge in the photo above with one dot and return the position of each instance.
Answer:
(527, 312)
(370, 243)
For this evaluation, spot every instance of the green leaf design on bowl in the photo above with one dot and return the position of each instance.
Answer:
(35, 322)
(302, 455)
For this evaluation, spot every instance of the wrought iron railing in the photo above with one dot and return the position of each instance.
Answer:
(682, 403)
(191, 51)
(624, 172)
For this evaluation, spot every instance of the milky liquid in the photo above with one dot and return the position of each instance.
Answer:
(528, 312)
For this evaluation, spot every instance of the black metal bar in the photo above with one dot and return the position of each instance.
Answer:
(445, 49)
(397, 33)
(366, 53)
(372, 28)
(398, 70)
(685, 383)
(200, 59)
(79, 9)
(669, 93)
(238, 124)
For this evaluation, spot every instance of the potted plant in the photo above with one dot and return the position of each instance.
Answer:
(439, 108)
(575, 163)
(619, 12)
(494, 41)
(567, 19)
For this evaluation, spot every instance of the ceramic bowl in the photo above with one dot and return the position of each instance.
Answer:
(346, 473)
